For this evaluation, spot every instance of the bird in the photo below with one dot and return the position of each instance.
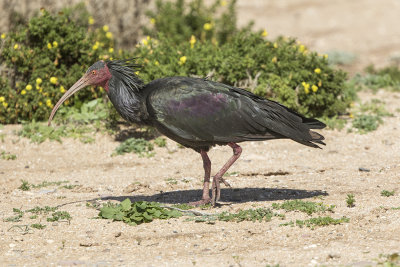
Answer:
(197, 113)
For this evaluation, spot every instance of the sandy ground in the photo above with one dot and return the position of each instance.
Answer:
(361, 27)
(268, 172)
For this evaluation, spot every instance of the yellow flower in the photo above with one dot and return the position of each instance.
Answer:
(192, 41)
(3, 36)
(224, 3)
(314, 88)
(62, 89)
(40, 103)
(106, 28)
(302, 48)
(16, 46)
(320, 83)
(325, 56)
(2, 99)
(53, 80)
(351, 115)
(91, 20)
(5, 104)
(49, 46)
(306, 87)
(152, 21)
(48, 103)
(145, 42)
(207, 26)
(23, 92)
(275, 45)
(317, 70)
(28, 87)
(109, 35)
(55, 44)
(156, 63)
(38, 81)
(182, 60)
(264, 33)
(274, 60)
(111, 50)
(137, 72)
(95, 46)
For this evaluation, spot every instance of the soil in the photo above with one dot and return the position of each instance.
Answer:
(266, 173)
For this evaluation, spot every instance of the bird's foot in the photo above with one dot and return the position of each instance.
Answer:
(215, 190)
(225, 182)
(202, 201)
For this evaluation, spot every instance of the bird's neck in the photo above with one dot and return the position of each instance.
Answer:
(128, 100)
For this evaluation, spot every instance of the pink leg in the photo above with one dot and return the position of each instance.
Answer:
(216, 190)
(206, 186)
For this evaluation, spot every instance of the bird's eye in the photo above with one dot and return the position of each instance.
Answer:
(93, 72)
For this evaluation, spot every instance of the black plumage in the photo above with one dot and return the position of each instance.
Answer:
(198, 113)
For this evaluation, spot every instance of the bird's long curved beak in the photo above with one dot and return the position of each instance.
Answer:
(81, 83)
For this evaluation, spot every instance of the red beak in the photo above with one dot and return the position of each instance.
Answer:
(81, 83)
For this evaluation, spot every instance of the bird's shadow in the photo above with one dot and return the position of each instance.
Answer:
(135, 132)
(237, 195)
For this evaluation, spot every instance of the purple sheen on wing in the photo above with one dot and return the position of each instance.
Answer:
(199, 105)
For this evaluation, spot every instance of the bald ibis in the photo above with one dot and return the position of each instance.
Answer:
(197, 113)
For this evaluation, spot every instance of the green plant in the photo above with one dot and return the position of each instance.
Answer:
(389, 260)
(366, 123)
(40, 210)
(138, 146)
(160, 141)
(308, 207)
(16, 218)
(386, 78)
(59, 215)
(45, 56)
(171, 181)
(38, 226)
(25, 186)
(341, 57)
(318, 221)
(7, 155)
(386, 193)
(282, 70)
(334, 122)
(179, 20)
(350, 200)
(260, 214)
(137, 212)
(375, 106)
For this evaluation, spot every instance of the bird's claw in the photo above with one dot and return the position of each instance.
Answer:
(225, 182)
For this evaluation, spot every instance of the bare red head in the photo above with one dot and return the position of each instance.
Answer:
(97, 74)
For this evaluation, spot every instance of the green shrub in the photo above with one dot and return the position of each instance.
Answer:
(179, 20)
(283, 70)
(44, 57)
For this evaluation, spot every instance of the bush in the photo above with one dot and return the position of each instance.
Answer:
(282, 70)
(44, 57)
(51, 52)
(178, 21)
